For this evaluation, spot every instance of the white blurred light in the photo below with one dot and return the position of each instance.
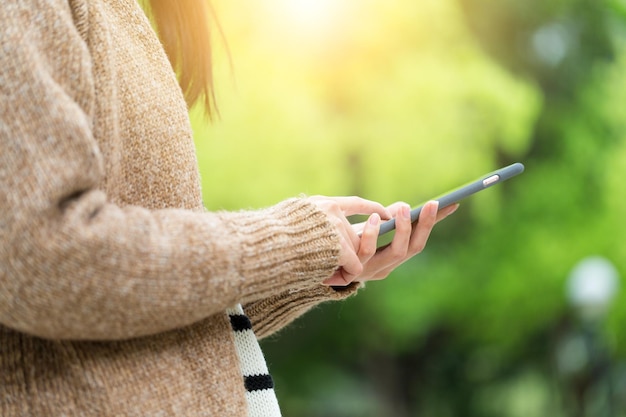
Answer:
(314, 16)
(551, 43)
(593, 283)
(306, 27)
(307, 10)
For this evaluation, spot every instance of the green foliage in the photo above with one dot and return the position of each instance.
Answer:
(388, 123)
(401, 101)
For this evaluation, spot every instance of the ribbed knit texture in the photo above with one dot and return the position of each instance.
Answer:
(114, 280)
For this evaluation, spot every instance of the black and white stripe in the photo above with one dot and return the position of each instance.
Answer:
(259, 385)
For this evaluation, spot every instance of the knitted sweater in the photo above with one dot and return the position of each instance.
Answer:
(114, 281)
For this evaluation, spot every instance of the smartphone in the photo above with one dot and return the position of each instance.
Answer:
(454, 196)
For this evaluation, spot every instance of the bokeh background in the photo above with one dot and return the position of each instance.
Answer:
(402, 100)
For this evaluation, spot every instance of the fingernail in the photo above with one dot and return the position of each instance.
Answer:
(374, 219)
(406, 212)
(435, 207)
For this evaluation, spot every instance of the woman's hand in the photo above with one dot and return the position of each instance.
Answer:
(360, 259)
(337, 209)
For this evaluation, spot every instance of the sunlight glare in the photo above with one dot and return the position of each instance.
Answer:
(309, 18)
(309, 11)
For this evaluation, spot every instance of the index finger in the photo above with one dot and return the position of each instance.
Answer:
(357, 205)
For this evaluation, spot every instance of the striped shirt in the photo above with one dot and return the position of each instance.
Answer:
(260, 395)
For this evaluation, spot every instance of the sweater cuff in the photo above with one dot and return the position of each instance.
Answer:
(291, 246)
(272, 314)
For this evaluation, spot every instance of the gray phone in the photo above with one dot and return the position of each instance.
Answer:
(454, 196)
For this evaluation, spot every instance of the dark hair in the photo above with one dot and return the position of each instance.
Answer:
(184, 27)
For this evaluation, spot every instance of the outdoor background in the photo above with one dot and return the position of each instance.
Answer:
(402, 100)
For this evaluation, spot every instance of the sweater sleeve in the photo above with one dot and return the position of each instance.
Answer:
(270, 315)
(73, 265)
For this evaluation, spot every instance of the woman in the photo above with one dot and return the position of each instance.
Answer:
(119, 294)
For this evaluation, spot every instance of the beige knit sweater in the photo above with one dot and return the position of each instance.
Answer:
(113, 278)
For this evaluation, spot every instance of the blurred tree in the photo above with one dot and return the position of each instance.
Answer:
(402, 100)
(401, 104)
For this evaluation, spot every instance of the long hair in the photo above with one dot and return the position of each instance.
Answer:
(185, 30)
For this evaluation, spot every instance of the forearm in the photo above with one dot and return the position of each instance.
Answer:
(103, 272)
